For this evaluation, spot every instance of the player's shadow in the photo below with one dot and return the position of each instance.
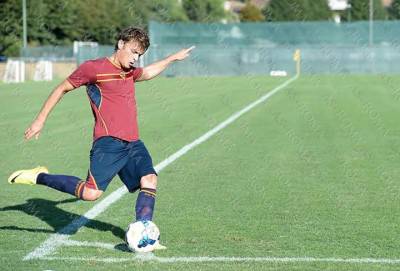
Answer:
(47, 211)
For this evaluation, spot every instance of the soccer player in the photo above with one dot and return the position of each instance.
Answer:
(117, 149)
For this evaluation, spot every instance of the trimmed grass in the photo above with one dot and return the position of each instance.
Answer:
(311, 172)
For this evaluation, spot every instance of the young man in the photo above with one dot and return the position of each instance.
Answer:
(117, 149)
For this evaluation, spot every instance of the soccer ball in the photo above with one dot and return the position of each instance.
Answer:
(142, 236)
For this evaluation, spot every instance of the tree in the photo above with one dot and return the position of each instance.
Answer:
(51, 22)
(204, 10)
(109, 17)
(60, 22)
(251, 13)
(360, 10)
(48, 22)
(100, 24)
(394, 10)
(163, 10)
(297, 10)
(10, 27)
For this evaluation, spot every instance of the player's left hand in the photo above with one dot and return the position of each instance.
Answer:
(182, 54)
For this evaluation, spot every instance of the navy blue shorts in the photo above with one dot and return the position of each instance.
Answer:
(110, 156)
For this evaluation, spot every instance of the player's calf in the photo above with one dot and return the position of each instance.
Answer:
(69, 184)
(146, 199)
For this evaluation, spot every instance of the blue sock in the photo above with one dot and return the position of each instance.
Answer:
(145, 204)
(68, 184)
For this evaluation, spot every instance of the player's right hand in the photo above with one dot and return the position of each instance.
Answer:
(34, 130)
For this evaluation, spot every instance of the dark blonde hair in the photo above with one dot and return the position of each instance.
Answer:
(133, 34)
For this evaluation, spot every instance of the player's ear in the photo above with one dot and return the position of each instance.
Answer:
(120, 44)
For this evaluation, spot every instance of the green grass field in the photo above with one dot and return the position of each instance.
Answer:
(312, 172)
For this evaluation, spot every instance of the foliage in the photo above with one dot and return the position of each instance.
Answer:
(58, 22)
(251, 13)
(297, 10)
(10, 27)
(394, 10)
(360, 10)
(204, 11)
(161, 10)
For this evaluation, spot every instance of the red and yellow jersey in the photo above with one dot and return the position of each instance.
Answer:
(111, 93)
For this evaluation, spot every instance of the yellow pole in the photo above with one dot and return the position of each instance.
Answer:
(297, 59)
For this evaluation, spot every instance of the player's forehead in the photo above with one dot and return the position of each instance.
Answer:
(134, 46)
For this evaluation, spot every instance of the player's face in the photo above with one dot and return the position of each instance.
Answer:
(129, 53)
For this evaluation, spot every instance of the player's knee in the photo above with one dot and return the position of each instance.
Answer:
(149, 181)
(91, 194)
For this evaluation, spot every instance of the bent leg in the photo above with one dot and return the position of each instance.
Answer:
(107, 157)
(71, 185)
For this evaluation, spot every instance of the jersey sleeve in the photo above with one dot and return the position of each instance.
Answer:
(137, 72)
(83, 75)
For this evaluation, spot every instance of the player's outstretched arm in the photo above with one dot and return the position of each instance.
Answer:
(37, 125)
(151, 71)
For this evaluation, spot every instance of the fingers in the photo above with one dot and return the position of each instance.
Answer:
(190, 49)
(183, 53)
(186, 52)
(37, 136)
(29, 133)
(28, 136)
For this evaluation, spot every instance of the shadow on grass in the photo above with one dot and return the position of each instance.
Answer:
(122, 247)
(47, 211)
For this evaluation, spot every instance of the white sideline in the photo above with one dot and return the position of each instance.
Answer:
(153, 258)
(57, 239)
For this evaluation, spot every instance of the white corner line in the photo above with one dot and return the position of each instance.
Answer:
(205, 259)
(73, 243)
(58, 238)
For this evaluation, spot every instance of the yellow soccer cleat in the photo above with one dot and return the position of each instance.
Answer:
(158, 246)
(26, 176)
